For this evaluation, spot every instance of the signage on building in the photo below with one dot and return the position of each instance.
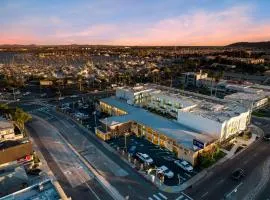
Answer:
(24, 159)
(198, 143)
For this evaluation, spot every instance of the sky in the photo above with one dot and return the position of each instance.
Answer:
(134, 22)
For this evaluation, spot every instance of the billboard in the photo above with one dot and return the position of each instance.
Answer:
(198, 143)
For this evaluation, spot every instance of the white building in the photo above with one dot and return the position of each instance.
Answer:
(216, 117)
(250, 100)
(193, 78)
(252, 96)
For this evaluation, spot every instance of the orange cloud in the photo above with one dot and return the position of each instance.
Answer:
(196, 28)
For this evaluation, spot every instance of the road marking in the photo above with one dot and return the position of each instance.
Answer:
(188, 174)
(149, 198)
(187, 196)
(204, 195)
(164, 197)
(183, 178)
(156, 197)
(219, 182)
(245, 162)
(234, 190)
(180, 197)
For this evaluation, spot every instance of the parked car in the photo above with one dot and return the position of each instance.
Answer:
(132, 150)
(144, 158)
(238, 174)
(165, 171)
(34, 172)
(184, 165)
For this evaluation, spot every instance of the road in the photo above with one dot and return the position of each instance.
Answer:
(121, 176)
(264, 124)
(255, 160)
(76, 180)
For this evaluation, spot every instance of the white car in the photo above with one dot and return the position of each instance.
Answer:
(145, 158)
(165, 171)
(184, 165)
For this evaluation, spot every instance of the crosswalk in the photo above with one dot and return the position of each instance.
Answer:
(158, 196)
(183, 196)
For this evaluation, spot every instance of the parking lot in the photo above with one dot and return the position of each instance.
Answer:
(160, 156)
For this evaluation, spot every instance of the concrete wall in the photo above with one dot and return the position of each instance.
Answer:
(201, 124)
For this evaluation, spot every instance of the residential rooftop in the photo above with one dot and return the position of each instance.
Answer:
(42, 191)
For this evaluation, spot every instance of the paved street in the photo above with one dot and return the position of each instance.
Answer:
(120, 175)
(67, 168)
(264, 124)
(218, 184)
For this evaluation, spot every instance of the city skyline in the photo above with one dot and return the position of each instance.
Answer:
(135, 23)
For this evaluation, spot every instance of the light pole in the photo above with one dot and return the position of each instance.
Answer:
(125, 141)
(94, 113)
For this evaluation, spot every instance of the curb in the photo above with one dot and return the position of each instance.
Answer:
(106, 185)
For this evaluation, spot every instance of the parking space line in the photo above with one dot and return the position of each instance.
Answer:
(162, 195)
(204, 195)
(156, 197)
(180, 197)
(187, 196)
(188, 174)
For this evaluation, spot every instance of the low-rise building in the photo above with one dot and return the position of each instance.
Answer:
(45, 190)
(7, 131)
(16, 151)
(193, 78)
(196, 120)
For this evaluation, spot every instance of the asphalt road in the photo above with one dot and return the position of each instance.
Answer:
(264, 124)
(120, 175)
(77, 182)
(218, 183)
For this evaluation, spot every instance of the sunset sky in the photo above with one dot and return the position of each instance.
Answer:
(134, 22)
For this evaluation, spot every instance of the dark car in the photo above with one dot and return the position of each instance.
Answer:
(34, 172)
(266, 137)
(238, 174)
(132, 150)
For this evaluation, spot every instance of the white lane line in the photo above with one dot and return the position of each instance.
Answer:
(204, 195)
(187, 196)
(219, 182)
(156, 197)
(180, 197)
(149, 198)
(162, 195)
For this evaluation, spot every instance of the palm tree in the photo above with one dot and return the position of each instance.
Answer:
(21, 118)
(211, 74)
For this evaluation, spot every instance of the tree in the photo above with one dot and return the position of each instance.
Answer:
(21, 117)
(211, 74)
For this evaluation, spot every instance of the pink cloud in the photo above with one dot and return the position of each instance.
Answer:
(202, 28)
(196, 28)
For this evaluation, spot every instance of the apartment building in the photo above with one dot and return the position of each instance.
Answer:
(196, 120)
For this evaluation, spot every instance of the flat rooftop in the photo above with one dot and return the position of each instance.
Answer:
(11, 143)
(4, 124)
(42, 191)
(246, 96)
(180, 133)
(206, 106)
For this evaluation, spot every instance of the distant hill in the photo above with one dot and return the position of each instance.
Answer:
(260, 45)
